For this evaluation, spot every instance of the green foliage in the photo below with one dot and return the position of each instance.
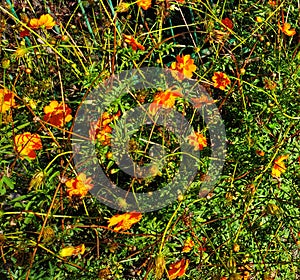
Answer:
(247, 226)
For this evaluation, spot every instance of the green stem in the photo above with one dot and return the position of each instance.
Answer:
(68, 152)
(13, 11)
(167, 227)
(111, 6)
(86, 19)
(193, 20)
(172, 31)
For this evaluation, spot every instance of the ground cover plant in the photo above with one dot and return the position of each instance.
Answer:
(244, 55)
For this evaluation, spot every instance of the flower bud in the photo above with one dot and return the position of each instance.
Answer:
(273, 209)
(236, 247)
(160, 264)
(37, 180)
(5, 63)
(123, 7)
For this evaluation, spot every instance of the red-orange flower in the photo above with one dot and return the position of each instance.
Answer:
(260, 153)
(279, 166)
(188, 245)
(269, 84)
(57, 113)
(197, 140)
(133, 43)
(184, 67)
(124, 221)
(72, 251)
(165, 99)
(227, 22)
(220, 80)
(101, 130)
(144, 4)
(286, 29)
(24, 32)
(26, 144)
(7, 100)
(272, 2)
(45, 21)
(178, 269)
(79, 186)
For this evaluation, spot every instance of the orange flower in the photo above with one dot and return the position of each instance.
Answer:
(198, 141)
(227, 22)
(286, 29)
(124, 221)
(7, 100)
(26, 144)
(79, 186)
(260, 153)
(57, 113)
(45, 21)
(178, 269)
(133, 43)
(188, 245)
(220, 80)
(269, 84)
(34, 23)
(272, 3)
(101, 129)
(279, 166)
(184, 65)
(72, 251)
(165, 99)
(144, 4)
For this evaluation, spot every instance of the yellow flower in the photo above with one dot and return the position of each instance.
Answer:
(197, 140)
(144, 4)
(185, 67)
(20, 52)
(79, 186)
(286, 29)
(279, 166)
(26, 144)
(259, 19)
(72, 251)
(7, 100)
(122, 7)
(45, 21)
(124, 221)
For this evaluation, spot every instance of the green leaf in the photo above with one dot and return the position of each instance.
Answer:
(8, 182)
(22, 197)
